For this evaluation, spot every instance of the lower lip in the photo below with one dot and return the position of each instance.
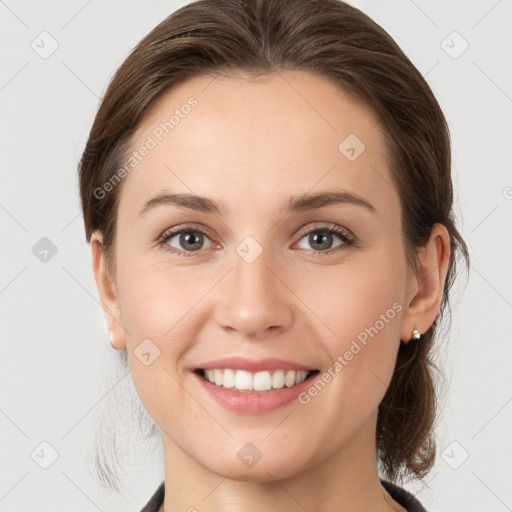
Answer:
(254, 402)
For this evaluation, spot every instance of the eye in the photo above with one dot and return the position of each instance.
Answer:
(188, 238)
(321, 238)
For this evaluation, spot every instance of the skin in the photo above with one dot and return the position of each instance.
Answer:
(252, 144)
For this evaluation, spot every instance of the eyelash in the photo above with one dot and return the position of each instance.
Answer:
(323, 228)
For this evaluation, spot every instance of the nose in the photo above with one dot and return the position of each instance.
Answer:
(255, 300)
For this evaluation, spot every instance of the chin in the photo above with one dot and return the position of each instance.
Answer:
(265, 469)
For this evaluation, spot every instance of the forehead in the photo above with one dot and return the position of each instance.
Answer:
(234, 137)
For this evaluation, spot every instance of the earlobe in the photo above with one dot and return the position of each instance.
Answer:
(107, 293)
(427, 283)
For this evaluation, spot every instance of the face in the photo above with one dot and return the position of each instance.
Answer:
(260, 271)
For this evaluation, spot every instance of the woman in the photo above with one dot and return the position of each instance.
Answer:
(266, 189)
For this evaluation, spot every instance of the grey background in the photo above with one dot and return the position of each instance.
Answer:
(57, 370)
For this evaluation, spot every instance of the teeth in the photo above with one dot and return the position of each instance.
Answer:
(260, 381)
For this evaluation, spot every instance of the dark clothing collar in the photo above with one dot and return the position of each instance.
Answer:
(401, 496)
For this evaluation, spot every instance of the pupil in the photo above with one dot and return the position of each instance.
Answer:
(191, 239)
(325, 239)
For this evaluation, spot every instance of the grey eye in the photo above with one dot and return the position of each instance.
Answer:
(320, 240)
(189, 240)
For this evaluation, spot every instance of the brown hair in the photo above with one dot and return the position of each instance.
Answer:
(339, 42)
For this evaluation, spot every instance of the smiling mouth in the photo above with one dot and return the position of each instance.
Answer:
(245, 381)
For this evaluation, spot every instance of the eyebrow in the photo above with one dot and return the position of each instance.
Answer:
(305, 202)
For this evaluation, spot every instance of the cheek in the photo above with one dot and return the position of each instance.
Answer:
(149, 304)
(351, 297)
(158, 310)
(153, 295)
(158, 305)
(359, 305)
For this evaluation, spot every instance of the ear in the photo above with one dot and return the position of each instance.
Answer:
(107, 292)
(425, 285)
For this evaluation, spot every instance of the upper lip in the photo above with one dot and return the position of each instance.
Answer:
(253, 365)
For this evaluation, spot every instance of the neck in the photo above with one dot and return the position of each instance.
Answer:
(347, 481)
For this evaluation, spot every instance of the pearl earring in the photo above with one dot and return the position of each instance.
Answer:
(416, 336)
(111, 337)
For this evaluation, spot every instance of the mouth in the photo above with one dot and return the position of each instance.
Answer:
(250, 382)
